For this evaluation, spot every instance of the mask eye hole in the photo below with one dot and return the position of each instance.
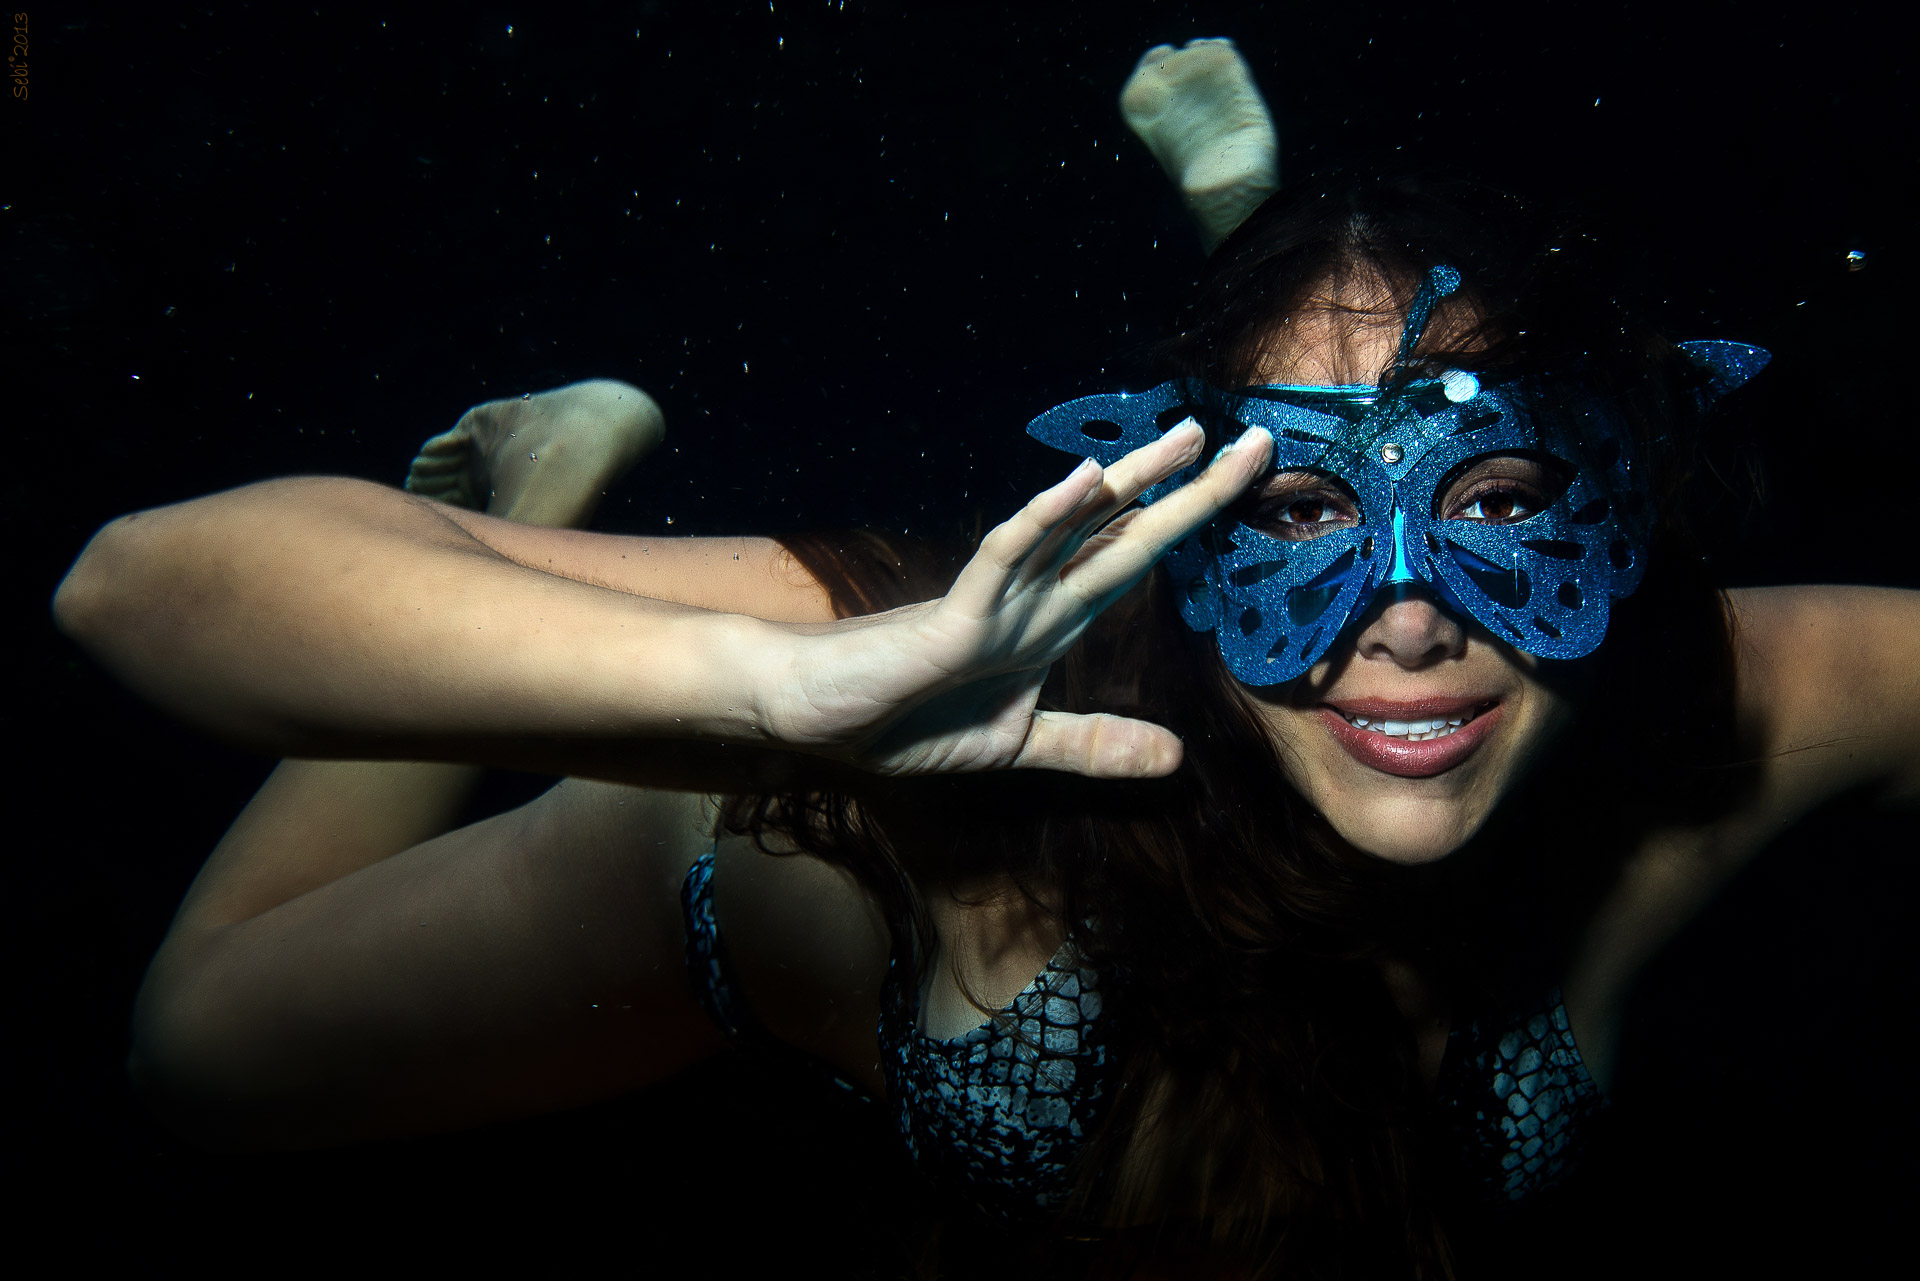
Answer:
(1299, 505)
(1501, 489)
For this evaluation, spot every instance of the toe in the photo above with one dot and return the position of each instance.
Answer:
(456, 439)
(438, 464)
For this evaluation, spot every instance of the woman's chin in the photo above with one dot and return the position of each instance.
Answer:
(1406, 832)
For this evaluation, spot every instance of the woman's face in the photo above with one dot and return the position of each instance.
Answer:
(1350, 730)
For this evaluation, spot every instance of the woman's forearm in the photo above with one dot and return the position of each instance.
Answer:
(335, 618)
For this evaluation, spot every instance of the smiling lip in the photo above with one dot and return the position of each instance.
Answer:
(1405, 759)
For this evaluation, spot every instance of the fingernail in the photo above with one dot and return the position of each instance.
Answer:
(1189, 438)
(1086, 465)
(1243, 440)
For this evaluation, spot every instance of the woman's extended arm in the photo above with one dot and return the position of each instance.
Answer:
(334, 618)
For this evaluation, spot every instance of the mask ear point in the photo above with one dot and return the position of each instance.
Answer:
(1727, 364)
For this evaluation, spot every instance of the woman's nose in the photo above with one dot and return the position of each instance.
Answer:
(1406, 625)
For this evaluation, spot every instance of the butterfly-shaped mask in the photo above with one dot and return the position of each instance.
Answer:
(1541, 581)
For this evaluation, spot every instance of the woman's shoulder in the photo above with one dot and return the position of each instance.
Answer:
(1828, 689)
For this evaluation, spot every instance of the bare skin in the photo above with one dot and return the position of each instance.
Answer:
(1200, 114)
(350, 814)
(315, 823)
(542, 459)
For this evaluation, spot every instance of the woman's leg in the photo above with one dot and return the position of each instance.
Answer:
(543, 459)
(1202, 117)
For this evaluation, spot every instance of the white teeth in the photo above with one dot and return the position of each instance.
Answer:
(1412, 731)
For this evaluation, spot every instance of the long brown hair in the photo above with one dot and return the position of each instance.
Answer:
(1268, 1109)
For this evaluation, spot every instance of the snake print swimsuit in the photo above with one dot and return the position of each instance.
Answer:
(997, 1114)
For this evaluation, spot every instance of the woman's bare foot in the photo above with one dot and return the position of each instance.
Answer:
(543, 459)
(1200, 115)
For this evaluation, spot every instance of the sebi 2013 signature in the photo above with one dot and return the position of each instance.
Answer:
(17, 56)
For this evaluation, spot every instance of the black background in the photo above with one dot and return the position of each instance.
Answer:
(851, 249)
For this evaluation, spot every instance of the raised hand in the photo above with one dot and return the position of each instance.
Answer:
(951, 686)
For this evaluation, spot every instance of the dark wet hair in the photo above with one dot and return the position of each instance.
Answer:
(1269, 1107)
(1539, 295)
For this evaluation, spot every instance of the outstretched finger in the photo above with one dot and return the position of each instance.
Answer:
(1046, 533)
(1100, 745)
(1124, 481)
(1120, 561)
(1009, 545)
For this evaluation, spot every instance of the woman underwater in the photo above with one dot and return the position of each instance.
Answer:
(1256, 742)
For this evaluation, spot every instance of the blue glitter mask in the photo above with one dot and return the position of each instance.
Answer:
(1542, 583)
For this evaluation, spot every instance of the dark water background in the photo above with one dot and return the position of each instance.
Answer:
(851, 249)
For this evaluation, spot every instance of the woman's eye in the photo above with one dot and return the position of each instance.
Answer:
(1500, 507)
(1502, 489)
(1293, 514)
(1309, 511)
